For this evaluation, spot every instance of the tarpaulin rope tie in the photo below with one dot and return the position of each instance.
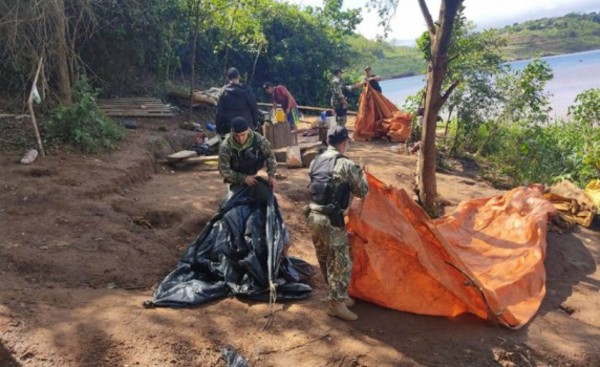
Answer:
(272, 300)
(271, 265)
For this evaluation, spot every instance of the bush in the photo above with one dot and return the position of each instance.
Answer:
(83, 125)
(545, 154)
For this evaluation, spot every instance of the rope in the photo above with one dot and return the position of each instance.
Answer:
(272, 300)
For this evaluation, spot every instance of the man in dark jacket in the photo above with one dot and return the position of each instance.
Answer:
(236, 100)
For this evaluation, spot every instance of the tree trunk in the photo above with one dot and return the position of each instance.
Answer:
(440, 33)
(64, 82)
(195, 40)
(228, 39)
(427, 161)
(255, 62)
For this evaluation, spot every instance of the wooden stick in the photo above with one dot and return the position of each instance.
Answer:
(306, 108)
(17, 116)
(30, 106)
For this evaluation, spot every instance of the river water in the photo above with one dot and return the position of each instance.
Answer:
(573, 73)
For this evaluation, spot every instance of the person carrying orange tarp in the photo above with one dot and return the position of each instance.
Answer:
(379, 117)
(486, 258)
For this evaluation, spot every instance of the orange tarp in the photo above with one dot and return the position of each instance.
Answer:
(378, 117)
(486, 258)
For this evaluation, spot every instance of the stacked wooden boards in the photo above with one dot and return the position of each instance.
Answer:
(135, 107)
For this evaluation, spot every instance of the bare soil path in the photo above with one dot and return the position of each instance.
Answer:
(85, 239)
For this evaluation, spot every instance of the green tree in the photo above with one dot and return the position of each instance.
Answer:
(586, 109)
(440, 39)
(475, 58)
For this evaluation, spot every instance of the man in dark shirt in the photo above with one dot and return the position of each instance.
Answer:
(236, 100)
(372, 79)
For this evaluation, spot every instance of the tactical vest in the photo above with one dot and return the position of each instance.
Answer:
(323, 190)
(248, 161)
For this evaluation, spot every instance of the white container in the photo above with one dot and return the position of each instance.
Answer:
(331, 122)
(29, 157)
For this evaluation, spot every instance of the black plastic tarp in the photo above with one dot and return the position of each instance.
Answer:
(239, 252)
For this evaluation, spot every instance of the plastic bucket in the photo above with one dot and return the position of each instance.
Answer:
(280, 115)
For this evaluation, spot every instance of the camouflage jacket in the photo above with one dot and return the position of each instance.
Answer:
(345, 171)
(337, 94)
(229, 147)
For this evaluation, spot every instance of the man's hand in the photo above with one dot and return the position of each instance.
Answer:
(250, 181)
(273, 182)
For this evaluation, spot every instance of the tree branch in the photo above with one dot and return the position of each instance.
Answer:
(450, 90)
(427, 17)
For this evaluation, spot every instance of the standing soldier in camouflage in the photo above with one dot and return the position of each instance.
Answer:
(243, 153)
(338, 100)
(334, 178)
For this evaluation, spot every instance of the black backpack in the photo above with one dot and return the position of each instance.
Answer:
(321, 185)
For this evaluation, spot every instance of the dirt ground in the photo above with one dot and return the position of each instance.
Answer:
(84, 240)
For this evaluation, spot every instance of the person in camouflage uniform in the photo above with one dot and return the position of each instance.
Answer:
(243, 153)
(338, 100)
(328, 229)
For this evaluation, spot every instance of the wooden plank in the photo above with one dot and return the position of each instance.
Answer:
(135, 107)
(308, 108)
(139, 114)
(16, 116)
(199, 98)
(209, 159)
(181, 155)
(130, 99)
(128, 109)
(303, 147)
(120, 103)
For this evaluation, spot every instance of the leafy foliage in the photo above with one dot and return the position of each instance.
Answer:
(82, 124)
(586, 111)
(565, 149)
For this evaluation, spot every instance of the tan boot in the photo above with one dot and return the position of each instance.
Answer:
(350, 302)
(339, 310)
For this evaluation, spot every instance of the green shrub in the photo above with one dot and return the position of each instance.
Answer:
(83, 125)
(545, 154)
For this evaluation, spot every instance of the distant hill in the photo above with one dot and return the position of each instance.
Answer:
(400, 62)
(552, 36)
(542, 37)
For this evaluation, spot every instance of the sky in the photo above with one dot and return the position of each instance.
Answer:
(408, 22)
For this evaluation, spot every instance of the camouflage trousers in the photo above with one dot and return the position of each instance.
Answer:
(341, 116)
(333, 254)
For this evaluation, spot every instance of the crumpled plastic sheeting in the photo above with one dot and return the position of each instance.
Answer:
(486, 258)
(573, 204)
(233, 358)
(235, 254)
(592, 191)
(377, 117)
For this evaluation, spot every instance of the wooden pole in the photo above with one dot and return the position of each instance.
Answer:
(309, 108)
(30, 106)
